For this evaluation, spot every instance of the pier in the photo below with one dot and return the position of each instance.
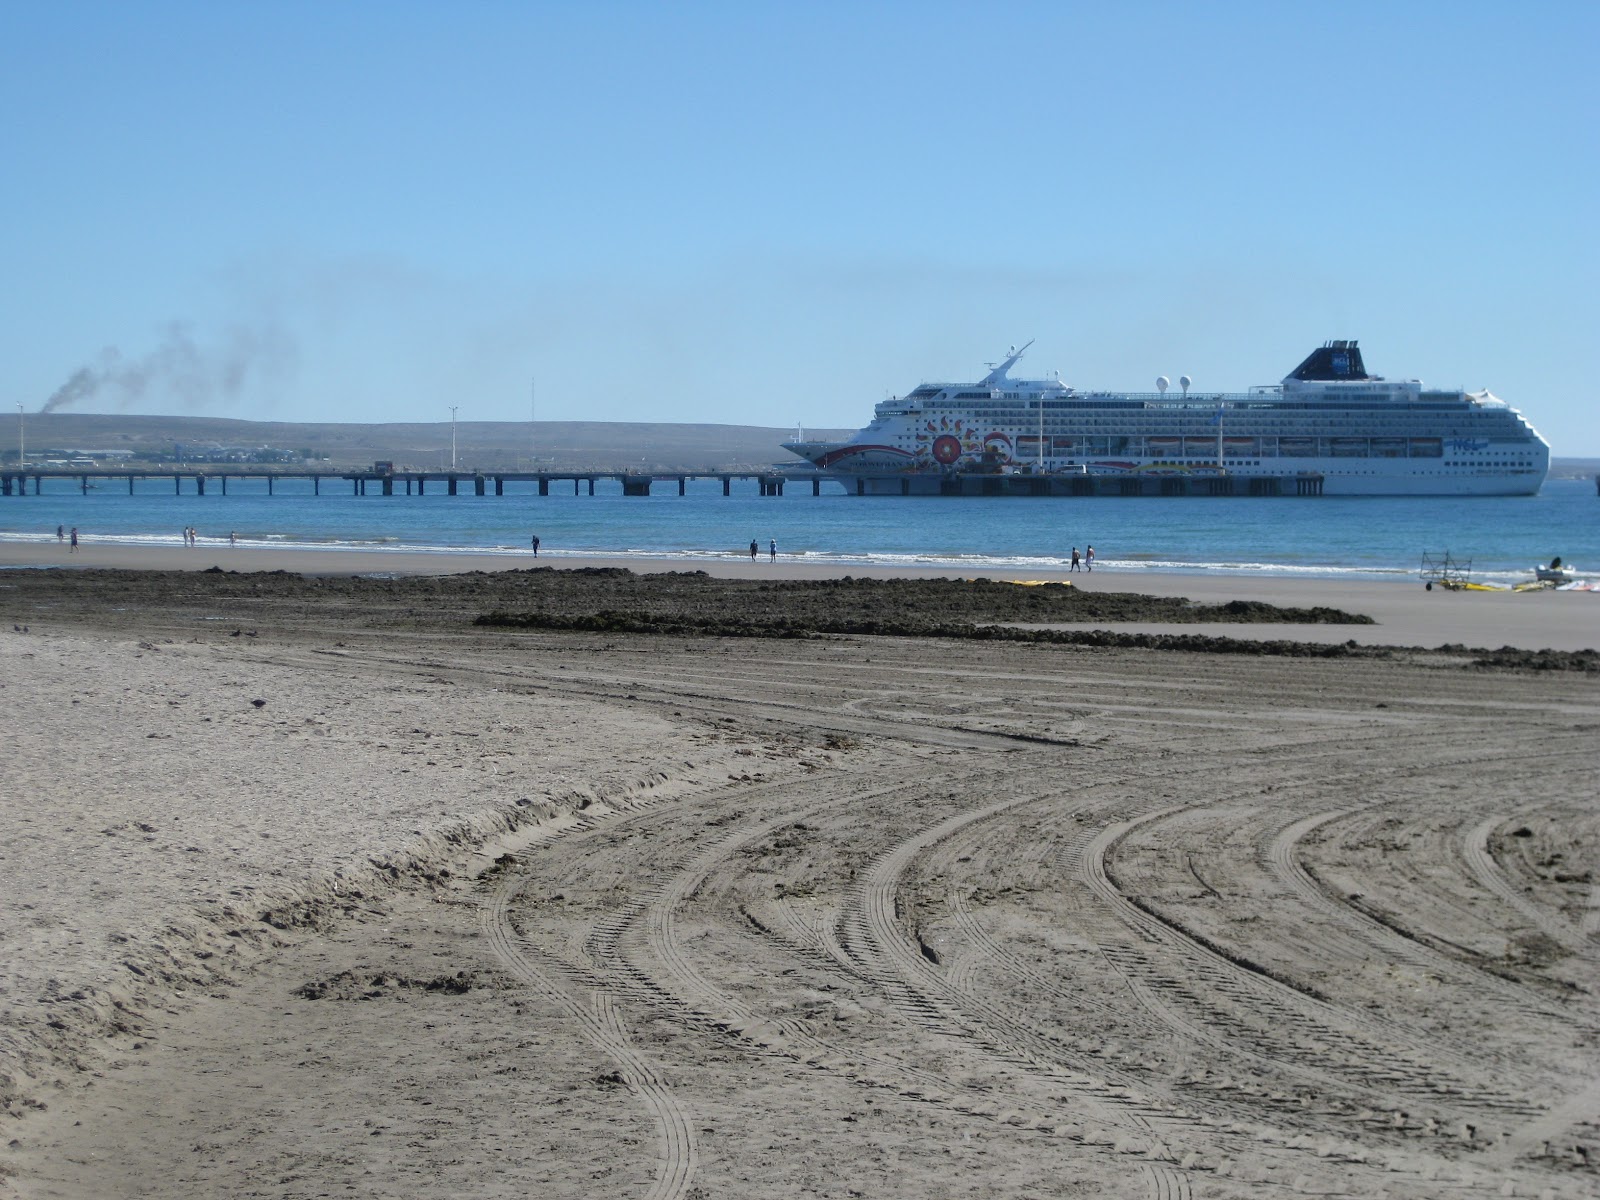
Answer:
(195, 482)
(191, 481)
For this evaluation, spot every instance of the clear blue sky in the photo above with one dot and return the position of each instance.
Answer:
(780, 213)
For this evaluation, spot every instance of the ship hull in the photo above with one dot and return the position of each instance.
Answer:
(890, 482)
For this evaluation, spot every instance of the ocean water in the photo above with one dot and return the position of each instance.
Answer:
(1323, 537)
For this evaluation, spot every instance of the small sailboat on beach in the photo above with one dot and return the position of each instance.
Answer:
(1555, 572)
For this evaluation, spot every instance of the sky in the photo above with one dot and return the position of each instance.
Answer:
(781, 213)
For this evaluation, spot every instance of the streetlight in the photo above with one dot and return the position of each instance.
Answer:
(22, 457)
(452, 437)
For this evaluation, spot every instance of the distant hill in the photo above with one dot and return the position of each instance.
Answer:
(480, 445)
(1574, 468)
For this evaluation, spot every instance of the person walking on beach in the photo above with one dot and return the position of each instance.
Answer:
(535, 544)
(755, 549)
(61, 533)
(74, 539)
(1088, 558)
(233, 538)
(772, 550)
(1075, 559)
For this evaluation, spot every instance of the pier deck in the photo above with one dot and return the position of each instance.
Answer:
(194, 481)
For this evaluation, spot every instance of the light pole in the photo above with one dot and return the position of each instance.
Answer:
(22, 456)
(452, 437)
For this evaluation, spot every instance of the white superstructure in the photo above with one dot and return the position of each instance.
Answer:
(1362, 434)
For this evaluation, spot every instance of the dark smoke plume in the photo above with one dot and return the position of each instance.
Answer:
(178, 369)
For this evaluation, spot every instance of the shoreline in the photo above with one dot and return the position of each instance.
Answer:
(1405, 613)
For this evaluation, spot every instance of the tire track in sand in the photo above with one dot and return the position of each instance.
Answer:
(653, 919)
(597, 1018)
(1475, 847)
(1367, 1047)
(1286, 865)
(871, 935)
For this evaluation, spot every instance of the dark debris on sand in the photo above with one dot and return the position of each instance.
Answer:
(688, 603)
(888, 605)
(673, 596)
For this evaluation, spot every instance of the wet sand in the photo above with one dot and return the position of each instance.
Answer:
(458, 910)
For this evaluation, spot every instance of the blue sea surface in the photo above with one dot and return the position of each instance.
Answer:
(1322, 537)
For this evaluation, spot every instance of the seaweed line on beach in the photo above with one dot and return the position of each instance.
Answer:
(609, 621)
(612, 621)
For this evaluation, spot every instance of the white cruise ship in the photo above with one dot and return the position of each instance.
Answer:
(1328, 421)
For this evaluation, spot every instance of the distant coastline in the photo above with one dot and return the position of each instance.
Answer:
(479, 445)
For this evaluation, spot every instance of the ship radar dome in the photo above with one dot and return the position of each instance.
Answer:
(1162, 384)
(1184, 381)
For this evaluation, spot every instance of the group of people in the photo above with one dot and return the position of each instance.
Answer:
(191, 536)
(62, 535)
(1086, 560)
(755, 548)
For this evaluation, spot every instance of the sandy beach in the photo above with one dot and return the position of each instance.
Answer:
(329, 890)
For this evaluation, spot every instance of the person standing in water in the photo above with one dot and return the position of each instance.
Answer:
(535, 543)
(755, 548)
(772, 550)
